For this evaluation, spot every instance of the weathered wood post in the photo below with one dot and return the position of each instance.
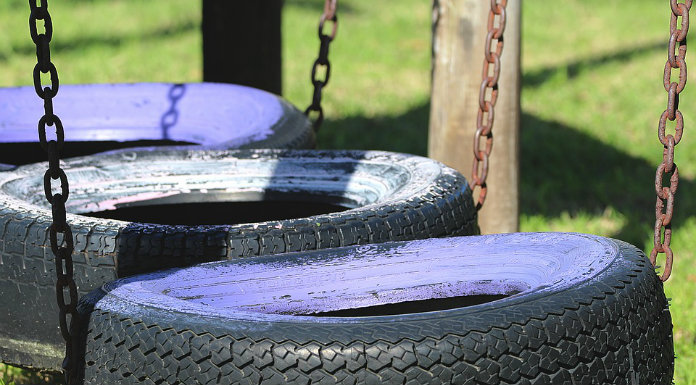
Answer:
(459, 32)
(241, 43)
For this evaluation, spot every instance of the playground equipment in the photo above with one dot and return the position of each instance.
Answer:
(510, 308)
(153, 114)
(141, 210)
(290, 201)
(555, 307)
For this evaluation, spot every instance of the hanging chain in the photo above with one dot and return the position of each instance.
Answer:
(325, 40)
(486, 112)
(60, 233)
(664, 207)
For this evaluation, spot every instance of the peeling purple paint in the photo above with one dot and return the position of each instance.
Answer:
(206, 113)
(275, 287)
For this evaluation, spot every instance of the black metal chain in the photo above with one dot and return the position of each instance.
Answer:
(330, 7)
(664, 207)
(60, 233)
(489, 81)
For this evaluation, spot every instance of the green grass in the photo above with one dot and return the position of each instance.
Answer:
(592, 93)
(16, 376)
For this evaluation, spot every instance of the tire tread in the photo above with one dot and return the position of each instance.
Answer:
(616, 330)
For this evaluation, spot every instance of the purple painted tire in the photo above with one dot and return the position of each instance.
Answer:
(498, 309)
(102, 117)
(131, 211)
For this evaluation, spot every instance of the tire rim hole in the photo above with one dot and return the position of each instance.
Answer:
(218, 213)
(421, 306)
(26, 153)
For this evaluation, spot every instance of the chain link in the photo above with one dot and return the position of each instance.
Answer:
(60, 233)
(487, 100)
(322, 61)
(171, 117)
(668, 170)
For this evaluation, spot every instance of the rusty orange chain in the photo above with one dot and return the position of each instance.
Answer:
(329, 14)
(664, 207)
(486, 112)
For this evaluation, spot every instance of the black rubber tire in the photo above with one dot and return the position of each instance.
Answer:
(606, 323)
(395, 197)
(104, 117)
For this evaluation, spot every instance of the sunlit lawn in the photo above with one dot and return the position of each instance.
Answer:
(592, 94)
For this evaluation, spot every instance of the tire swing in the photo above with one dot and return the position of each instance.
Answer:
(133, 211)
(213, 115)
(223, 116)
(534, 308)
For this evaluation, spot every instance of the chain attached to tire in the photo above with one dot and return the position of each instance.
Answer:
(60, 233)
(484, 127)
(664, 207)
(330, 7)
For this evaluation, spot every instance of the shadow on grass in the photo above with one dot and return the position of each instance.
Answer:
(536, 78)
(401, 133)
(565, 170)
(83, 42)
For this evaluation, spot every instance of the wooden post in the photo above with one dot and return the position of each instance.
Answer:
(459, 32)
(241, 43)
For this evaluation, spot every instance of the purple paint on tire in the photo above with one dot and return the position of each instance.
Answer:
(581, 309)
(285, 286)
(111, 116)
(208, 113)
